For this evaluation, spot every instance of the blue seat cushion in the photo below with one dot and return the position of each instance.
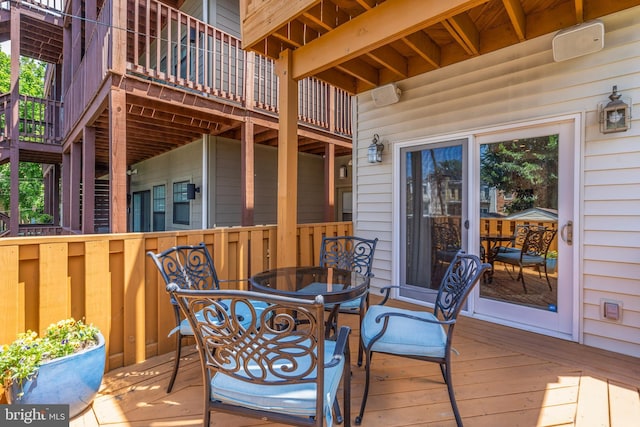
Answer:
(514, 258)
(242, 312)
(403, 335)
(319, 288)
(294, 399)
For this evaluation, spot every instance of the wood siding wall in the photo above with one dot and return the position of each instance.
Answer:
(522, 83)
(108, 280)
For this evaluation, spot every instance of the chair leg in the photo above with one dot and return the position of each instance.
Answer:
(521, 277)
(360, 344)
(367, 356)
(176, 362)
(547, 277)
(446, 369)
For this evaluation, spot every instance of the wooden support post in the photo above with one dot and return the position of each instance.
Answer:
(55, 194)
(287, 249)
(88, 180)
(75, 192)
(247, 172)
(329, 182)
(118, 161)
(119, 39)
(66, 188)
(14, 124)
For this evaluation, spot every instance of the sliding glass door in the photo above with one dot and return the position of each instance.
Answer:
(432, 218)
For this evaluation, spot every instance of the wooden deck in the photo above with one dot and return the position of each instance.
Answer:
(502, 377)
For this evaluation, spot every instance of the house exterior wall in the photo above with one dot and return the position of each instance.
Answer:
(522, 83)
(185, 164)
(226, 209)
(174, 166)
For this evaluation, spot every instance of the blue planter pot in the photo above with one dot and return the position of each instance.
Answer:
(551, 265)
(73, 380)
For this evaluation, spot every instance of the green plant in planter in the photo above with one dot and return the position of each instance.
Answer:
(20, 360)
(552, 255)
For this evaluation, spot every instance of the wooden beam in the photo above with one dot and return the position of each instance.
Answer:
(390, 59)
(426, 48)
(579, 11)
(118, 161)
(464, 32)
(372, 30)
(14, 122)
(518, 18)
(88, 180)
(259, 19)
(329, 182)
(287, 162)
(247, 172)
(76, 168)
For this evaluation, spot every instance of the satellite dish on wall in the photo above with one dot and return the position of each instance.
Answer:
(578, 40)
(386, 95)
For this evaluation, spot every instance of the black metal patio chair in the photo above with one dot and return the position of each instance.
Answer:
(533, 253)
(354, 254)
(189, 267)
(268, 366)
(421, 334)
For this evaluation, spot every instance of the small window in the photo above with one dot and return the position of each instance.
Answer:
(159, 207)
(181, 207)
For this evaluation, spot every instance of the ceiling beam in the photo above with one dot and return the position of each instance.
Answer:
(426, 48)
(464, 32)
(371, 30)
(259, 19)
(579, 11)
(518, 18)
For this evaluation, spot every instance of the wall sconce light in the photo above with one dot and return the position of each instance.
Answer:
(191, 191)
(132, 172)
(374, 153)
(343, 171)
(615, 116)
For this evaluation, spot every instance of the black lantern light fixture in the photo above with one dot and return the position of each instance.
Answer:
(375, 150)
(615, 116)
(191, 191)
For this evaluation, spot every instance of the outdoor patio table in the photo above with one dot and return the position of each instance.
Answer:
(335, 285)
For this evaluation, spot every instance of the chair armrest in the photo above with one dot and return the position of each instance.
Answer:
(387, 291)
(233, 280)
(342, 347)
(380, 317)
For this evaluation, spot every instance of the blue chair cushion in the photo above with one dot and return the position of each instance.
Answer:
(319, 288)
(514, 258)
(242, 311)
(295, 399)
(403, 335)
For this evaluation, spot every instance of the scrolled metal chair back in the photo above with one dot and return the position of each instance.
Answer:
(188, 266)
(537, 241)
(461, 275)
(348, 253)
(271, 338)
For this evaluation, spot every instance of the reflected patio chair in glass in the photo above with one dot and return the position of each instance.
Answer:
(422, 334)
(445, 242)
(353, 254)
(270, 368)
(533, 254)
(189, 267)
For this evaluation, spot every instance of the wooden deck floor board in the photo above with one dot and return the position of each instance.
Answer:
(502, 377)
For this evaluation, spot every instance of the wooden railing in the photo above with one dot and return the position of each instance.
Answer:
(108, 280)
(90, 75)
(169, 47)
(39, 120)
